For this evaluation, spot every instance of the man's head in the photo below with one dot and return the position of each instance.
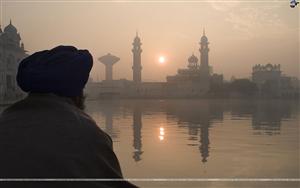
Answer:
(63, 71)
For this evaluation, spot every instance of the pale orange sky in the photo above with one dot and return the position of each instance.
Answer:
(241, 33)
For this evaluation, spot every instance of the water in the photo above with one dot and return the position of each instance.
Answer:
(203, 139)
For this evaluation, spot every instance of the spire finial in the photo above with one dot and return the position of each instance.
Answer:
(137, 33)
(10, 22)
(203, 31)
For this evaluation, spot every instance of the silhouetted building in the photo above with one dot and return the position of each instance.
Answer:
(263, 73)
(137, 66)
(271, 82)
(204, 66)
(195, 80)
(109, 60)
(11, 53)
(189, 82)
(216, 79)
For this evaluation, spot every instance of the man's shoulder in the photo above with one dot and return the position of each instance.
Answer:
(36, 103)
(53, 118)
(51, 111)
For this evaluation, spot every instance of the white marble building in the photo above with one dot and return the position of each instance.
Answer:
(11, 53)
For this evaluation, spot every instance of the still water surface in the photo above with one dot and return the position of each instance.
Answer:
(203, 139)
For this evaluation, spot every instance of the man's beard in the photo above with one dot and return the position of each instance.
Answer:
(79, 101)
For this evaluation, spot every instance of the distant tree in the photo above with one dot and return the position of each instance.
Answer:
(232, 79)
(270, 88)
(243, 86)
(218, 89)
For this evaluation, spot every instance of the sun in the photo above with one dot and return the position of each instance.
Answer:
(161, 59)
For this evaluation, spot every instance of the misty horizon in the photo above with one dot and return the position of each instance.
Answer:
(240, 34)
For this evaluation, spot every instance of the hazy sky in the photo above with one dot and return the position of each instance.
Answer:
(241, 33)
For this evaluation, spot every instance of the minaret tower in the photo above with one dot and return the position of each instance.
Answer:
(137, 67)
(204, 66)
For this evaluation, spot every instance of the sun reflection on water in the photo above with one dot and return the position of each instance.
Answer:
(161, 134)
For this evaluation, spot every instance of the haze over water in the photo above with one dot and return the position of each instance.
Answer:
(203, 139)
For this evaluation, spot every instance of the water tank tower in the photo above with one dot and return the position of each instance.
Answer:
(109, 60)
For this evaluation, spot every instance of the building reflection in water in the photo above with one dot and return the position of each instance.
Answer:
(106, 111)
(266, 115)
(109, 123)
(267, 118)
(137, 136)
(204, 142)
(198, 117)
(110, 110)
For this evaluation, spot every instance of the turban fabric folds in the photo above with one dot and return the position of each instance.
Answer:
(63, 70)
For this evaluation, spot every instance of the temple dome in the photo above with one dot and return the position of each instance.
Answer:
(10, 28)
(193, 59)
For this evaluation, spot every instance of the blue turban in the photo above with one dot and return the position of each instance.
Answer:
(63, 70)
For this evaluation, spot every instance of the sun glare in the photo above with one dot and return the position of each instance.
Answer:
(161, 59)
